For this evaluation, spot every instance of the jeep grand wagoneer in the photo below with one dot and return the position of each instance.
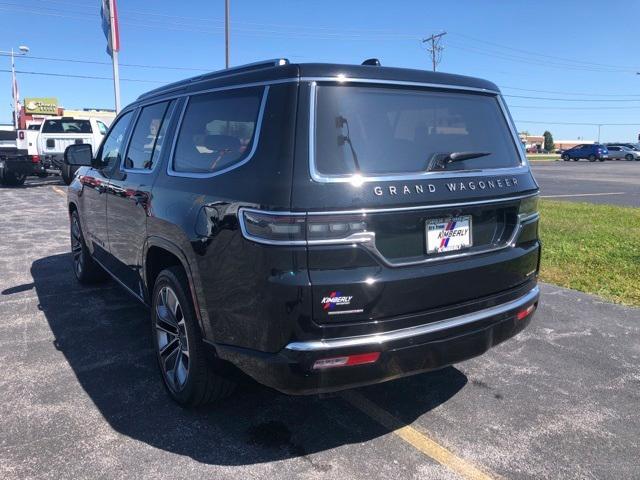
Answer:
(316, 226)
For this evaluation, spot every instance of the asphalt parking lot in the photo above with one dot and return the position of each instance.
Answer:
(80, 396)
(612, 182)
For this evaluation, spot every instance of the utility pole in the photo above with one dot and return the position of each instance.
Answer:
(435, 49)
(599, 126)
(226, 33)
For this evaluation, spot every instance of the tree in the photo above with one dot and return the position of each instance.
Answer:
(548, 141)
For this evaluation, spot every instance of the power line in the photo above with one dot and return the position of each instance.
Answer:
(529, 52)
(571, 93)
(578, 123)
(95, 62)
(574, 99)
(90, 77)
(598, 108)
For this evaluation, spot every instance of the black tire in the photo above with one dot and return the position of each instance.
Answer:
(13, 179)
(193, 378)
(85, 268)
(592, 158)
(628, 157)
(575, 159)
(565, 158)
(602, 159)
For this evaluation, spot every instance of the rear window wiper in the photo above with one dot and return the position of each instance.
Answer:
(342, 122)
(439, 161)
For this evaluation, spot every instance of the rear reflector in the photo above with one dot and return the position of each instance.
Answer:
(524, 313)
(346, 361)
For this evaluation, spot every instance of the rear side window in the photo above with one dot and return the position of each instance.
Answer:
(217, 130)
(148, 137)
(67, 126)
(391, 131)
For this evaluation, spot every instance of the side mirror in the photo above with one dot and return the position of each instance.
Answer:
(79, 155)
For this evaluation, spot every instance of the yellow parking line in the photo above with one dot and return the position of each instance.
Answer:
(59, 191)
(416, 439)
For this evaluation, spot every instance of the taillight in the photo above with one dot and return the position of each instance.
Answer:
(528, 207)
(325, 227)
(35, 158)
(298, 229)
(525, 312)
(273, 227)
(346, 360)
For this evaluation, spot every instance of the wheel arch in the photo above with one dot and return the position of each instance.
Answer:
(159, 254)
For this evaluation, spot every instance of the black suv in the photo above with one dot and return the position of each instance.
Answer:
(317, 226)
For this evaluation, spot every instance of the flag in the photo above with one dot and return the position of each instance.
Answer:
(110, 29)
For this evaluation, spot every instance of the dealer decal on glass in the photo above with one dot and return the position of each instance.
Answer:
(448, 234)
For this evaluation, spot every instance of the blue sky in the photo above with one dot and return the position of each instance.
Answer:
(582, 54)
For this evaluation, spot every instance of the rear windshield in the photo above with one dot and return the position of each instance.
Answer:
(66, 126)
(388, 131)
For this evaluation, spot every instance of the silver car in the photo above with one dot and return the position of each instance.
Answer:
(620, 152)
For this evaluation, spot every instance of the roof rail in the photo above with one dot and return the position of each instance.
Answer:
(275, 62)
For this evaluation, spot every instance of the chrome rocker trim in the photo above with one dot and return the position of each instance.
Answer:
(405, 333)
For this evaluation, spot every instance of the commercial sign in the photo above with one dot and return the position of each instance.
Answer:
(41, 106)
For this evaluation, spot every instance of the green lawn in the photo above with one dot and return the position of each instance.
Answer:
(592, 248)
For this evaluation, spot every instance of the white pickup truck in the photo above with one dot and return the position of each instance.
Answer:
(56, 134)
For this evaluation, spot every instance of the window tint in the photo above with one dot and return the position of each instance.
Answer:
(67, 126)
(148, 132)
(217, 130)
(102, 127)
(114, 143)
(398, 131)
(614, 149)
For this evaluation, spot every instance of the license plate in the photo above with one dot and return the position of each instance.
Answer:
(448, 234)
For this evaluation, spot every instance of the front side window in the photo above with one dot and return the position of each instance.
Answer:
(390, 131)
(147, 137)
(102, 127)
(217, 130)
(67, 126)
(113, 145)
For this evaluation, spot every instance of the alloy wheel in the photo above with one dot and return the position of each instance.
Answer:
(171, 339)
(76, 246)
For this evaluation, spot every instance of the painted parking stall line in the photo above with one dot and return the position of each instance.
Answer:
(583, 195)
(418, 440)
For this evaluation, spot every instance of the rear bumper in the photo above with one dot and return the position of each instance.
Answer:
(402, 352)
(21, 166)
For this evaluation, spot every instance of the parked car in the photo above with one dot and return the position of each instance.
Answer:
(57, 133)
(632, 146)
(317, 226)
(15, 163)
(618, 152)
(589, 151)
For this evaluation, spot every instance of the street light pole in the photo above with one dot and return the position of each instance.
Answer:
(13, 90)
(599, 133)
(23, 50)
(226, 33)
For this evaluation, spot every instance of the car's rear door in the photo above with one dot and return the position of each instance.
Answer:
(129, 199)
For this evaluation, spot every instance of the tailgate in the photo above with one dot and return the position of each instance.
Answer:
(57, 144)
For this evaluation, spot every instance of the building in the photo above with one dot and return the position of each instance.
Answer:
(36, 110)
(531, 142)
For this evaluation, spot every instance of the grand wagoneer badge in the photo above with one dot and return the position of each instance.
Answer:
(458, 186)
